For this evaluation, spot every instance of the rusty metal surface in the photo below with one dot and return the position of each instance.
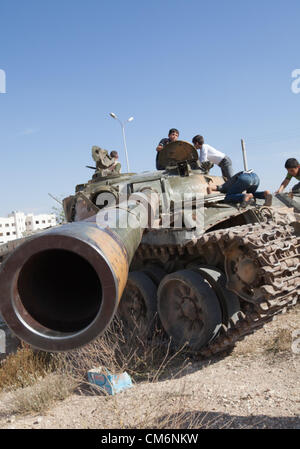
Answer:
(256, 245)
(61, 288)
(229, 301)
(188, 308)
(291, 200)
(138, 305)
(264, 256)
(275, 248)
(9, 247)
(177, 152)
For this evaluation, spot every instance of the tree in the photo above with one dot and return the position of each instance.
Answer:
(58, 210)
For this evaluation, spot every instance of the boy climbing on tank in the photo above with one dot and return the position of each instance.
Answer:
(244, 181)
(209, 153)
(293, 167)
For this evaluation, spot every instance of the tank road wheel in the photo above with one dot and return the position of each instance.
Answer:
(138, 305)
(229, 301)
(189, 309)
(155, 273)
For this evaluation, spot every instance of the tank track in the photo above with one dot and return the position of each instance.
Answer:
(276, 251)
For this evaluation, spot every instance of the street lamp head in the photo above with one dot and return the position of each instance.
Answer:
(112, 115)
(130, 119)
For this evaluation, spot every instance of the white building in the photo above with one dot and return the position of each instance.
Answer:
(17, 223)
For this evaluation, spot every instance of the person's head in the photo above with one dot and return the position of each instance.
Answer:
(292, 166)
(114, 154)
(173, 134)
(198, 141)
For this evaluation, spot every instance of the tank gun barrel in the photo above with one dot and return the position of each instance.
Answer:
(60, 289)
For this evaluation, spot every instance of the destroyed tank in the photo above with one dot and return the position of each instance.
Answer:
(208, 274)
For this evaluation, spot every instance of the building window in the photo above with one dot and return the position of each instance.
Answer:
(6, 224)
(43, 221)
(8, 233)
(14, 232)
(1, 234)
(37, 222)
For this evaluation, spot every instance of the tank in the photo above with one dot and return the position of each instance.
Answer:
(156, 250)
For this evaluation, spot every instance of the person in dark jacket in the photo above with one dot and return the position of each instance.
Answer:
(244, 181)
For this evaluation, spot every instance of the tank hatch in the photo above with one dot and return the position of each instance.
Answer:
(176, 152)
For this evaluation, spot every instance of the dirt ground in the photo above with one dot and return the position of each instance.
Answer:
(256, 386)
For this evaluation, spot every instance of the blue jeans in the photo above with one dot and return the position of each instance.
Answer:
(245, 181)
(226, 167)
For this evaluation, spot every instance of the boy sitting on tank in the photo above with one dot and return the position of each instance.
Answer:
(293, 167)
(106, 164)
(116, 166)
(244, 181)
(209, 153)
(172, 137)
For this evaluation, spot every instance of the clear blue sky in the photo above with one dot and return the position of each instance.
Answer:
(217, 68)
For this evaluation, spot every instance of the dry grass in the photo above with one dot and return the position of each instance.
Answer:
(52, 378)
(119, 350)
(29, 375)
(39, 397)
(41, 379)
(24, 368)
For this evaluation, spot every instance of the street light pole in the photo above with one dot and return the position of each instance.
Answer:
(125, 146)
(113, 115)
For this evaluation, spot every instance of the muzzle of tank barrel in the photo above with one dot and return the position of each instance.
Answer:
(60, 289)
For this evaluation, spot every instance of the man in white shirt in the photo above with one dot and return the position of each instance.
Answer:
(209, 153)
